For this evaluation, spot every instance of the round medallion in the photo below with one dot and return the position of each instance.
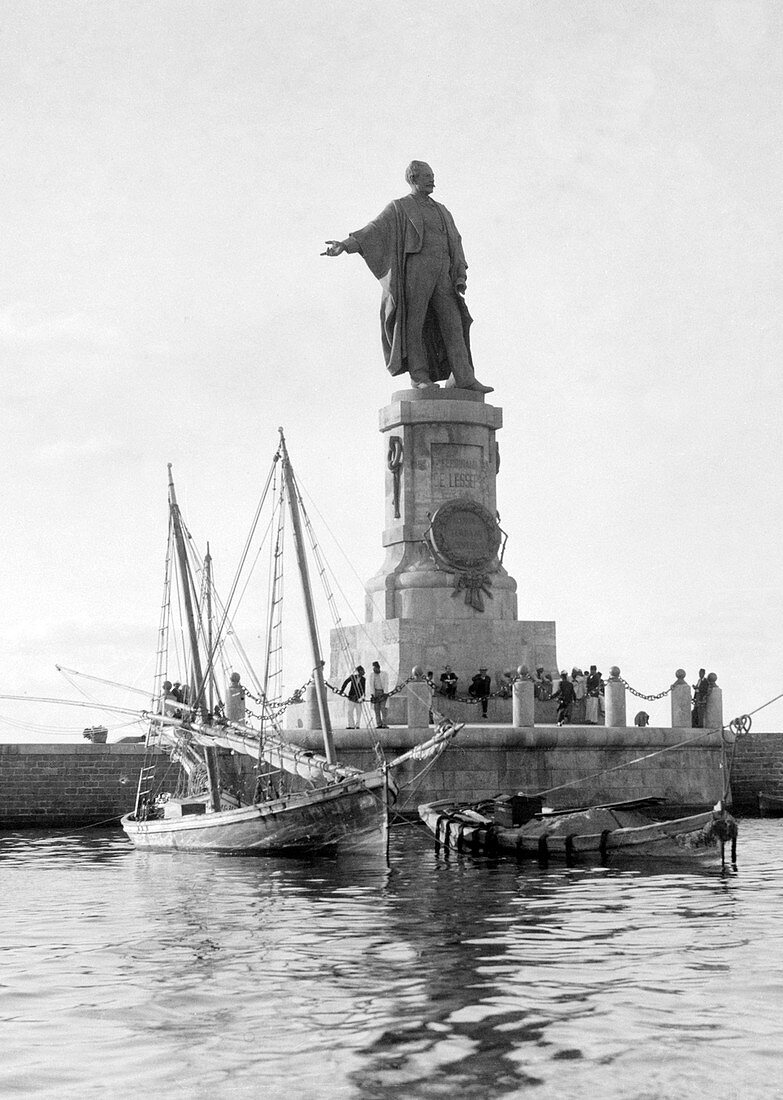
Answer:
(465, 534)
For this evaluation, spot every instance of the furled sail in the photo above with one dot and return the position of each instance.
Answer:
(271, 748)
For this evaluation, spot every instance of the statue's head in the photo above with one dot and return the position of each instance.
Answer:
(420, 176)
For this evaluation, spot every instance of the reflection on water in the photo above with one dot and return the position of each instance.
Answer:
(190, 975)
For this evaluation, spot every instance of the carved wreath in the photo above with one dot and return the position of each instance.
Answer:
(475, 586)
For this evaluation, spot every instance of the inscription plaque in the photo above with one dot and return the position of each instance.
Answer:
(465, 534)
(457, 467)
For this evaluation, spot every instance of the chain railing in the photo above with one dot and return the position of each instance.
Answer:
(641, 695)
(503, 692)
(274, 710)
(387, 694)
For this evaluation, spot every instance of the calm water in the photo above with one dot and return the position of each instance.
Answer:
(126, 974)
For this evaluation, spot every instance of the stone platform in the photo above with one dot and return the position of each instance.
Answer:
(442, 595)
(577, 765)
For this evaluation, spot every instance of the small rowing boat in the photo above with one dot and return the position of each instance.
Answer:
(627, 828)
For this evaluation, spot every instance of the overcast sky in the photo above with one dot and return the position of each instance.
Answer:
(171, 170)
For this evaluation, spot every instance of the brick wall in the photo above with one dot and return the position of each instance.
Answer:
(44, 785)
(758, 766)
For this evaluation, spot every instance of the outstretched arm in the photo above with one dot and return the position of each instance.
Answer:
(336, 248)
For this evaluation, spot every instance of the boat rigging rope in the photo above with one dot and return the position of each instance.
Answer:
(752, 712)
(74, 703)
(70, 672)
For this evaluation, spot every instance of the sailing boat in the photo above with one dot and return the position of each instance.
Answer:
(301, 802)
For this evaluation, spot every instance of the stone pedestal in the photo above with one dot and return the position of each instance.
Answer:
(419, 702)
(523, 703)
(431, 608)
(713, 711)
(615, 699)
(681, 702)
(312, 711)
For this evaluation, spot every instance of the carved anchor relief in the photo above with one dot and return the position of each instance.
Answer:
(394, 463)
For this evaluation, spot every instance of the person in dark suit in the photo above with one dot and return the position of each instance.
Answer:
(480, 687)
(353, 688)
(448, 682)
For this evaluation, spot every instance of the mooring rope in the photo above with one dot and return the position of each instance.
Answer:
(629, 763)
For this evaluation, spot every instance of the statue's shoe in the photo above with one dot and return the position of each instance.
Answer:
(475, 385)
(425, 385)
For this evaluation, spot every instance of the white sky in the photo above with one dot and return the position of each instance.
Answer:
(171, 170)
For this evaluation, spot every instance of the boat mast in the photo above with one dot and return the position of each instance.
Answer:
(301, 557)
(211, 669)
(182, 556)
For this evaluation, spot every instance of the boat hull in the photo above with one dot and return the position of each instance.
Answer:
(458, 828)
(770, 805)
(348, 817)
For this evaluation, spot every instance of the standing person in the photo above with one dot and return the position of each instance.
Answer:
(700, 692)
(414, 249)
(430, 681)
(543, 684)
(379, 692)
(594, 684)
(480, 687)
(579, 681)
(167, 699)
(448, 683)
(354, 687)
(565, 699)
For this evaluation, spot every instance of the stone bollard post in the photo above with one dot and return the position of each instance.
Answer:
(681, 702)
(522, 699)
(615, 698)
(312, 713)
(713, 711)
(419, 700)
(235, 699)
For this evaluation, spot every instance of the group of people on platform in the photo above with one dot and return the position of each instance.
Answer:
(174, 699)
(480, 687)
(359, 688)
(580, 697)
(701, 693)
(177, 701)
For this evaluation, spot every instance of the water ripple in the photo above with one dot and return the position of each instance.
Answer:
(124, 973)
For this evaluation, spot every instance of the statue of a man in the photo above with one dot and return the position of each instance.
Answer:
(414, 250)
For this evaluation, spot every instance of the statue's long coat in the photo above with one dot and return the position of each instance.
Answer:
(384, 244)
